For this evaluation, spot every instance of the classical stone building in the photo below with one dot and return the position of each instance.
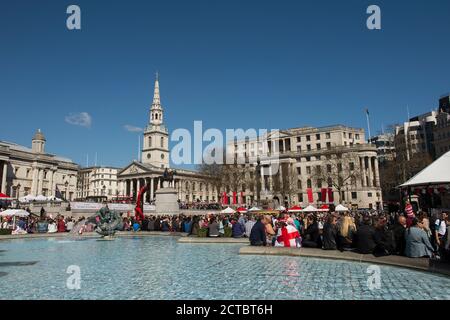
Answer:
(311, 165)
(190, 185)
(97, 182)
(32, 171)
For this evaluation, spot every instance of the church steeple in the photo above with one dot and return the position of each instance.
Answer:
(155, 150)
(156, 110)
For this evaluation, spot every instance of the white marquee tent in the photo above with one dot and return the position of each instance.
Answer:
(437, 173)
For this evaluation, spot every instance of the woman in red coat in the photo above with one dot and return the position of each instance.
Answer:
(61, 225)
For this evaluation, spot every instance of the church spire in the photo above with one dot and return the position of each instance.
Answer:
(156, 98)
(156, 111)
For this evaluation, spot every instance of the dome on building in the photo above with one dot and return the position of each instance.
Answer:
(39, 135)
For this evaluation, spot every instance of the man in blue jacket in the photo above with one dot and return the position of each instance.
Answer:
(258, 234)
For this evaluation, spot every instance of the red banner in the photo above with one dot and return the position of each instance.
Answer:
(323, 193)
(310, 195)
(330, 195)
(234, 197)
(224, 198)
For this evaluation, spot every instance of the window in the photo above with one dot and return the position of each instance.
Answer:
(162, 155)
(318, 136)
(369, 194)
(318, 147)
(309, 183)
(308, 138)
(149, 141)
(308, 159)
(328, 168)
(149, 155)
(299, 148)
(318, 169)
(299, 184)
(299, 170)
(357, 136)
(328, 145)
(354, 195)
(319, 183)
(350, 135)
(339, 167)
(300, 197)
(327, 135)
(299, 139)
(162, 142)
(352, 166)
(308, 147)
(308, 170)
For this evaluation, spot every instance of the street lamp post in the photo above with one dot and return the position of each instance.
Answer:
(18, 191)
(66, 184)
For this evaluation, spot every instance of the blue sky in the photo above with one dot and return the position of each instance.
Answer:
(231, 64)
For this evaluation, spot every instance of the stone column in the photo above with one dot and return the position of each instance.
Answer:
(270, 178)
(263, 183)
(131, 188)
(152, 187)
(363, 171)
(50, 185)
(370, 173)
(138, 186)
(34, 182)
(377, 172)
(5, 171)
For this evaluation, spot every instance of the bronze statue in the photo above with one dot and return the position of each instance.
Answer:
(168, 176)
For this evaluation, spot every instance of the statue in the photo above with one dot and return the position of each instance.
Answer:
(107, 222)
(168, 176)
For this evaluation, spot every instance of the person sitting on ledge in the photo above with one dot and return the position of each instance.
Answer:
(384, 239)
(213, 228)
(365, 237)
(417, 243)
(330, 233)
(312, 234)
(237, 229)
(258, 233)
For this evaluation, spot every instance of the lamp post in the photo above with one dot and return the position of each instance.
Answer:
(18, 191)
(66, 184)
(258, 181)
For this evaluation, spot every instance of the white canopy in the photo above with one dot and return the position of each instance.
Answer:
(254, 209)
(340, 207)
(281, 208)
(227, 210)
(14, 213)
(41, 198)
(27, 198)
(53, 198)
(436, 173)
(310, 208)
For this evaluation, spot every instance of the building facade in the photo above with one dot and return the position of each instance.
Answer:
(311, 165)
(385, 146)
(442, 128)
(25, 171)
(97, 182)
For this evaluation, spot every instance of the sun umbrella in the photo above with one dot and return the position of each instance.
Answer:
(241, 210)
(340, 207)
(324, 208)
(228, 211)
(41, 198)
(254, 209)
(295, 209)
(310, 208)
(4, 197)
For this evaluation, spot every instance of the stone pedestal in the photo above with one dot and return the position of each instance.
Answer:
(166, 201)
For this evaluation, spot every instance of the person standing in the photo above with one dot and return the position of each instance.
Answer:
(417, 243)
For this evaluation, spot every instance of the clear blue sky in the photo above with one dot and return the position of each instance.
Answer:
(232, 64)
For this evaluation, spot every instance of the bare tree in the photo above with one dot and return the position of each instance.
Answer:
(341, 168)
(286, 182)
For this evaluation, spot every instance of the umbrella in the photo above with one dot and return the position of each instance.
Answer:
(4, 197)
(340, 207)
(14, 213)
(310, 208)
(254, 209)
(241, 210)
(228, 210)
(281, 208)
(28, 198)
(295, 209)
(41, 198)
(324, 208)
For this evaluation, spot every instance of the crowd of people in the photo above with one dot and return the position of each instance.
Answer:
(364, 232)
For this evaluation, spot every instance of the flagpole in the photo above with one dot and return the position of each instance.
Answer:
(368, 124)
(139, 148)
